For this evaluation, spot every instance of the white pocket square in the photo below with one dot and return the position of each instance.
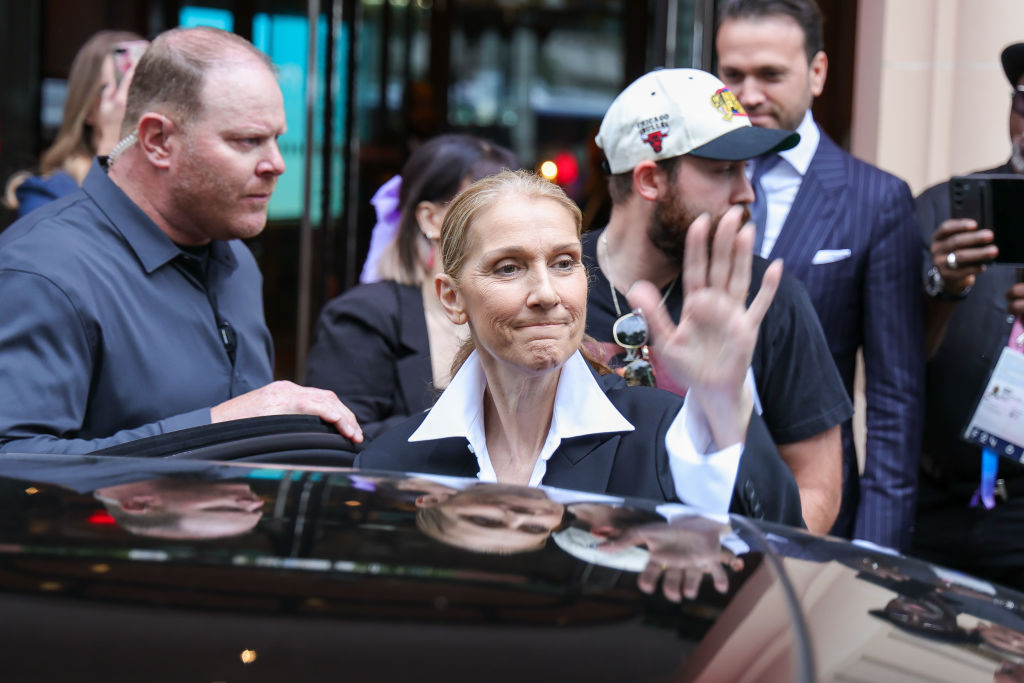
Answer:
(830, 256)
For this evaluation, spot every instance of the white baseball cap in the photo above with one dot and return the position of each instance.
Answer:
(671, 112)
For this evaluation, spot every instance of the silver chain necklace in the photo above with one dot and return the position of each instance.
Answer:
(615, 294)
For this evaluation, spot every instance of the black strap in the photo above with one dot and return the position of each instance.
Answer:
(222, 434)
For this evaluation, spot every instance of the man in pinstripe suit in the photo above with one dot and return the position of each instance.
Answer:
(848, 231)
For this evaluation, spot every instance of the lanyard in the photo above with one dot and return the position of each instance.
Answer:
(989, 458)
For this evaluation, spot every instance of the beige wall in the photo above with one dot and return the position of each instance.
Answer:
(753, 640)
(930, 97)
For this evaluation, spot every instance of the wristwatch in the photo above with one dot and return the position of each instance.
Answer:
(935, 287)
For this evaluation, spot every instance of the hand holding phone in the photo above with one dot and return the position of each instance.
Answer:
(972, 248)
(996, 203)
(114, 95)
(1015, 295)
(126, 56)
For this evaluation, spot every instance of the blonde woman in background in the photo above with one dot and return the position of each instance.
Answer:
(97, 87)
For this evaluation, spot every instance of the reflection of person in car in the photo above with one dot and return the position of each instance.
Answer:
(682, 552)
(929, 616)
(530, 407)
(160, 497)
(182, 508)
(505, 519)
(502, 518)
(1009, 672)
(492, 518)
(1001, 638)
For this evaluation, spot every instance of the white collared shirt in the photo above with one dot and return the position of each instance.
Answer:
(781, 183)
(702, 479)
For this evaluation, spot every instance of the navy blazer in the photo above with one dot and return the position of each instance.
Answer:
(870, 299)
(631, 464)
(370, 347)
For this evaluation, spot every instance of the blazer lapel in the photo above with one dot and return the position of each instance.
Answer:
(583, 463)
(413, 369)
(816, 211)
(451, 457)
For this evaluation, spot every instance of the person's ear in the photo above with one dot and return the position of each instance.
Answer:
(141, 502)
(157, 138)
(649, 181)
(818, 69)
(429, 216)
(450, 297)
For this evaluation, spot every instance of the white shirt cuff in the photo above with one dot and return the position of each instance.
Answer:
(702, 479)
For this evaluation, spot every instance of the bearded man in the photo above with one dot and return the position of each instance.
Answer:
(676, 142)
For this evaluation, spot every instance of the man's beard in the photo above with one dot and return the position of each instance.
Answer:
(670, 221)
(667, 229)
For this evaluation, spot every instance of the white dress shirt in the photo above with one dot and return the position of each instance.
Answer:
(781, 183)
(703, 479)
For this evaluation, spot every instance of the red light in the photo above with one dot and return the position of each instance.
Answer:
(101, 517)
(568, 168)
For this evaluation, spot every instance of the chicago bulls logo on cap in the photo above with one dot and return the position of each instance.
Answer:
(653, 131)
(654, 139)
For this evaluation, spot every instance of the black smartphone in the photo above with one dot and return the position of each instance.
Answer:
(996, 202)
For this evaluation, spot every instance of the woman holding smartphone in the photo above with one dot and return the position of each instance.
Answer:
(97, 88)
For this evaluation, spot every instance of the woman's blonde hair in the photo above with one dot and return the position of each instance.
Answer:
(72, 149)
(481, 196)
(477, 199)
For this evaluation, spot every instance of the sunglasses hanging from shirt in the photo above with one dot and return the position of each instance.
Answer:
(630, 332)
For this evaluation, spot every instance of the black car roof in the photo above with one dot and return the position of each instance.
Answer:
(340, 575)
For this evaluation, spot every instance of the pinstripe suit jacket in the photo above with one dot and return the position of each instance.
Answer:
(871, 298)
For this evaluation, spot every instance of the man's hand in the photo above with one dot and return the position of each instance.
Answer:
(286, 398)
(711, 348)
(972, 249)
(682, 553)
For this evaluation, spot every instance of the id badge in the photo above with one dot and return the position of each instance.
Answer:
(998, 419)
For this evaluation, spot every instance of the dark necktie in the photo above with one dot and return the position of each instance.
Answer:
(759, 208)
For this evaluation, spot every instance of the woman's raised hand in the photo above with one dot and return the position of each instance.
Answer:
(710, 349)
